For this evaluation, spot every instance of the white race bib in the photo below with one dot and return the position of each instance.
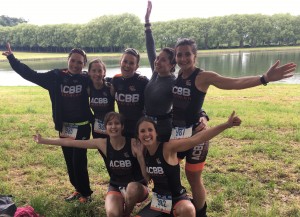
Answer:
(69, 131)
(162, 203)
(99, 126)
(181, 132)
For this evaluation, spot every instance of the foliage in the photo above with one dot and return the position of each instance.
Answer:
(10, 21)
(113, 33)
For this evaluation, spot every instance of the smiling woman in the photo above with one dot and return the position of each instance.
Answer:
(70, 110)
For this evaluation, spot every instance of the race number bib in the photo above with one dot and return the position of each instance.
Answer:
(69, 131)
(181, 132)
(162, 203)
(99, 126)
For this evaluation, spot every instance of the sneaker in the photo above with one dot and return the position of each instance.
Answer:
(76, 195)
(83, 199)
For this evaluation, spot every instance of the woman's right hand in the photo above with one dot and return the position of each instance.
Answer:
(148, 12)
(9, 51)
(37, 138)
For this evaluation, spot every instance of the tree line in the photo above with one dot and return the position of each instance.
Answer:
(113, 33)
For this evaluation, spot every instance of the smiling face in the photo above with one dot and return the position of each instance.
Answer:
(97, 72)
(147, 133)
(162, 64)
(76, 63)
(185, 57)
(113, 126)
(128, 64)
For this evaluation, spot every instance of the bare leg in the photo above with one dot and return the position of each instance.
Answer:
(184, 208)
(114, 205)
(135, 193)
(197, 187)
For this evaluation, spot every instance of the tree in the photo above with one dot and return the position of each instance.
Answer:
(10, 21)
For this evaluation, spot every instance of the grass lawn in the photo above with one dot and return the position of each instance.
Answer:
(252, 170)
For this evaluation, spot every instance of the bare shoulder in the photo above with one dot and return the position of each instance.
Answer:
(204, 79)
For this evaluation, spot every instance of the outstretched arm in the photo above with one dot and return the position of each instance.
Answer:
(274, 73)
(150, 44)
(179, 145)
(66, 142)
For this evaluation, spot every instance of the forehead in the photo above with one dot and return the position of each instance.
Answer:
(113, 119)
(76, 56)
(184, 49)
(97, 65)
(129, 57)
(146, 124)
(163, 54)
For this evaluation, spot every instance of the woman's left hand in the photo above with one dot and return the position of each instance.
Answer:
(276, 72)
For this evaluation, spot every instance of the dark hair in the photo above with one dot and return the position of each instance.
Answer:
(79, 51)
(133, 52)
(141, 120)
(189, 42)
(171, 56)
(97, 61)
(111, 115)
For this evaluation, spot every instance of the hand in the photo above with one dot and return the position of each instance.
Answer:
(276, 72)
(202, 124)
(37, 138)
(8, 52)
(233, 120)
(148, 12)
(137, 147)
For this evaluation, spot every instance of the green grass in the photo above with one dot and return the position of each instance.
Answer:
(253, 170)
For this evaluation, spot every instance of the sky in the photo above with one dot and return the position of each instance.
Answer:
(42, 12)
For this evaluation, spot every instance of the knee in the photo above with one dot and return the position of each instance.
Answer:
(113, 212)
(132, 189)
(187, 210)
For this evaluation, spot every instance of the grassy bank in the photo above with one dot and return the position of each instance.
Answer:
(253, 170)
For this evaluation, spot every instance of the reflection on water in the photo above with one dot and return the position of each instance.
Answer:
(227, 64)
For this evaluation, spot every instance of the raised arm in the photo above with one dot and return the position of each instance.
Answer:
(179, 145)
(42, 79)
(66, 142)
(150, 44)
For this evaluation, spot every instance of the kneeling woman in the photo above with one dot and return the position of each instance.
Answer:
(127, 185)
(161, 161)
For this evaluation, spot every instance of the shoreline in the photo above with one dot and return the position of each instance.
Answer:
(61, 56)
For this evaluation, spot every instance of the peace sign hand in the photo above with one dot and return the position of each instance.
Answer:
(9, 51)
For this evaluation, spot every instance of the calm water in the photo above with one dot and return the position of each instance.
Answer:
(227, 64)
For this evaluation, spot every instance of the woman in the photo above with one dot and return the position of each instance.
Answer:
(188, 97)
(126, 186)
(128, 89)
(158, 92)
(70, 110)
(169, 196)
(101, 100)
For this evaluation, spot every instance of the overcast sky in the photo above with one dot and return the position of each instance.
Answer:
(43, 12)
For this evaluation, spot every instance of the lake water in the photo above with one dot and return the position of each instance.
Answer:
(227, 64)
